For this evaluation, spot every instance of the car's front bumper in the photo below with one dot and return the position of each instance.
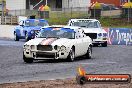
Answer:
(99, 41)
(45, 54)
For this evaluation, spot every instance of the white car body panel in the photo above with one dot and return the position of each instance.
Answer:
(81, 43)
(99, 39)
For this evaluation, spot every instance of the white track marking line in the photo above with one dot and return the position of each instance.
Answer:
(109, 62)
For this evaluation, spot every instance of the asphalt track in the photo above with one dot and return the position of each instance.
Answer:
(111, 59)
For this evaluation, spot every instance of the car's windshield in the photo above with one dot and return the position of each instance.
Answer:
(86, 23)
(61, 33)
(36, 23)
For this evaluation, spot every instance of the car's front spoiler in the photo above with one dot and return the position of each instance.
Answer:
(46, 55)
(98, 42)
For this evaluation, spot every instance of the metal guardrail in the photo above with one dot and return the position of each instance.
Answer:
(8, 20)
(64, 11)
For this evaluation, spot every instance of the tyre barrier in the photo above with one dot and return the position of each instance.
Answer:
(119, 36)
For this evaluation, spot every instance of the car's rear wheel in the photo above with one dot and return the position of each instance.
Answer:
(104, 44)
(71, 55)
(16, 38)
(89, 53)
(27, 60)
(26, 37)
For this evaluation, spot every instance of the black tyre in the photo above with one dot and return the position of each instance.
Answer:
(16, 38)
(104, 44)
(26, 37)
(89, 53)
(27, 60)
(81, 80)
(95, 45)
(71, 55)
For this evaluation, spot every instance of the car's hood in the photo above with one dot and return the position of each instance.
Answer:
(48, 41)
(33, 28)
(93, 30)
(61, 41)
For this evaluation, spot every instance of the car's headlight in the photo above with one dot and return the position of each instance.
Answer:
(26, 46)
(104, 34)
(62, 48)
(32, 32)
(57, 47)
(32, 47)
(99, 34)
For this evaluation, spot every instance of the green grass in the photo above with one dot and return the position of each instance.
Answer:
(58, 21)
(115, 22)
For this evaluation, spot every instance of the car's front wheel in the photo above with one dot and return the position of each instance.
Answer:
(89, 53)
(71, 55)
(104, 44)
(27, 60)
(16, 38)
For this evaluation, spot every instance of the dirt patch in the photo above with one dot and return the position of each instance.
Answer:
(66, 83)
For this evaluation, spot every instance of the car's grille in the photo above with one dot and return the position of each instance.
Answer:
(36, 32)
(45, 55)
(44, 47)
(92, 35)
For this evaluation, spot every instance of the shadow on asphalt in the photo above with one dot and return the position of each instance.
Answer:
(61, 60)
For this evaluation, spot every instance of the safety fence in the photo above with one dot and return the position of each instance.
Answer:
(65, 12)
(119, 36)
(8, 20)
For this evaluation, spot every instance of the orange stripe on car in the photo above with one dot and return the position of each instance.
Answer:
(56, 28)
(48, 41)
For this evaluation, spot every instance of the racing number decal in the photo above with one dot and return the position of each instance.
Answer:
(22, 31)
(21, 28)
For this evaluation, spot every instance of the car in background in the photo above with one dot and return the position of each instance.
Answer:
(58, 43)
(29, 28)
(106, 7)
(93, 29)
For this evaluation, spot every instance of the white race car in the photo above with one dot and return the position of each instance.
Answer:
(58, 43)
(93, 29)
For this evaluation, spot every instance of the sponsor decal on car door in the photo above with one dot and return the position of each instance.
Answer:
(22, 31)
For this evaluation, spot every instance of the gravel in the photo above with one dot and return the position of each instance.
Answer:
(65, 83)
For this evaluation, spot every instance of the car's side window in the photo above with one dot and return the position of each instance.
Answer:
(98, 24)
